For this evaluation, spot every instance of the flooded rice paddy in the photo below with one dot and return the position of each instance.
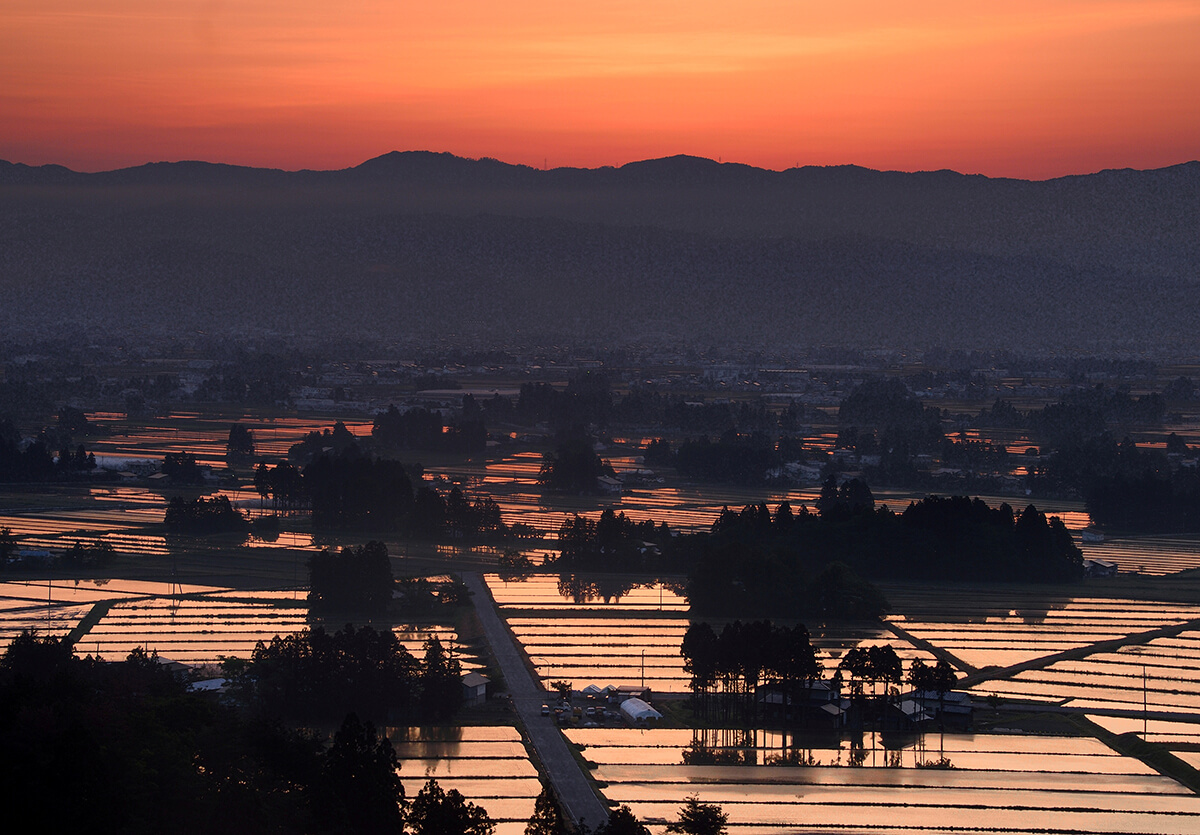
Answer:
(1162, 675)
(988, 627)
(1170, 734)
(203, 435)
(627, 639)
(593, 633)
(1000, 783)
(190, 624)
(488, 765)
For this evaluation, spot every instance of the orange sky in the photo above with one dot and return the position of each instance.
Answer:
(1027, 89)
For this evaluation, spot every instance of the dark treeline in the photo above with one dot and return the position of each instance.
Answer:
(35, 461)
(588, 400)
(1126, 487)
(753, 458)
(352, 491)
(82, 735)
(780, 564)
(817, 565)
(1147, 502)
(97, 554)
(573, 466)
(727, 669)
(884, 419)
(614, 542)
(200, 516)
(355, 579)
(1088, 412)
(421, 429)
(315, 675)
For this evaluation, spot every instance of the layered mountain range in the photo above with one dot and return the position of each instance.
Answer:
(681, 250)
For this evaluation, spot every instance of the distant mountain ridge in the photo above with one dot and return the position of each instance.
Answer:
(683, 247)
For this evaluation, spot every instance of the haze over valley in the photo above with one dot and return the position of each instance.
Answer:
(679, 251)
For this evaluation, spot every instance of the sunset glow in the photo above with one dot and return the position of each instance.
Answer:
(1023, 89)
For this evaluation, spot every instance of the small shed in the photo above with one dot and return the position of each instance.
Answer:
(1099, 568)
(474, 688)
(629, 691)
(638, 712)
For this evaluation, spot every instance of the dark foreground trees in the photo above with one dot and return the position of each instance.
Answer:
(547, 818)
(124, 747)
(435, 811)
(361, 781)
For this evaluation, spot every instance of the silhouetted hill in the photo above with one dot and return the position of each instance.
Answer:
(685, 248)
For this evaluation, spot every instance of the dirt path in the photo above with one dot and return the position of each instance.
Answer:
(1041, 662)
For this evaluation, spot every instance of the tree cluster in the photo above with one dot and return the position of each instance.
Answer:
(283, 484)
(421, 429)
(356, 579)
(315, 675)
(734, 458)
(200, 516)
(573, 467)
(97, 554)
(31, 462)
(181, 468)
(358, 492)
(240, 442)
(758, 563)
(338, 441)
(614, 542)
(728, 669)
(888, 409)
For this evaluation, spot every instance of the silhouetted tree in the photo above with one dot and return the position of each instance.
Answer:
(573, 467)
(240, 441)
(438, 812)
(622, 821)
(360, 789)
(696, 818)
(547, 819)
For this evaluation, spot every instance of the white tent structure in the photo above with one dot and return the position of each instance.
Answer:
(638, 712)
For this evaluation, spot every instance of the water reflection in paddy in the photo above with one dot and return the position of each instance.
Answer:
(1024, 783)
(204, 435)
(626, 639)
(1163, 675)
(488, 765)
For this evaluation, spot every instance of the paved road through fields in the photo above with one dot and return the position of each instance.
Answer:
(575, 793)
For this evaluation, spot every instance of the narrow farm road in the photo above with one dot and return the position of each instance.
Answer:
(574, 791)
(1170, 631)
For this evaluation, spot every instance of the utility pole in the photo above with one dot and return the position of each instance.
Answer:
(1145, 712)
